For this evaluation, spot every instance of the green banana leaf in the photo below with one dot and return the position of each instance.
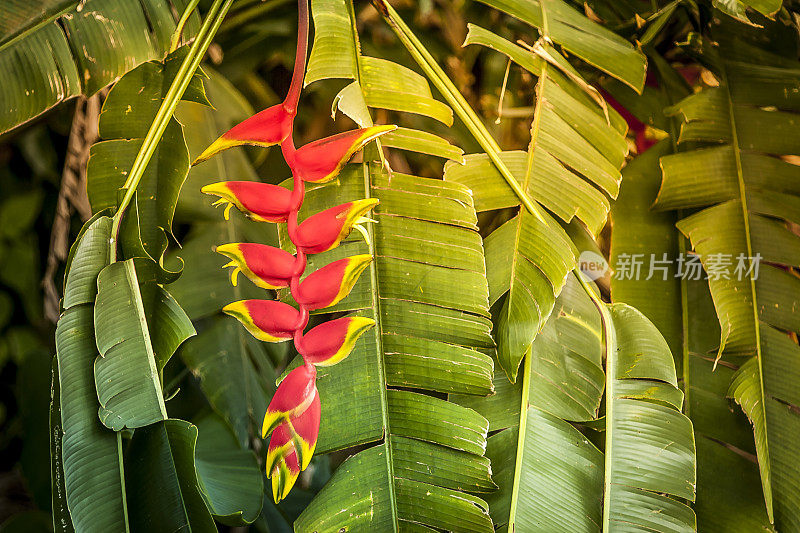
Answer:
(747, 196)
(163, 486)
(428, 338)
(230, 477)
(53, 50)
(728, 490)
(126, 116)
(134, 343)
(89, 450)
(595, 44)
(554, 477)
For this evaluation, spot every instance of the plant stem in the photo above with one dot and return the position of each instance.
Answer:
(187, 69)
(176, 36)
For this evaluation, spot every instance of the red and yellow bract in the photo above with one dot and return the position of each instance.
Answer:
(293, 415)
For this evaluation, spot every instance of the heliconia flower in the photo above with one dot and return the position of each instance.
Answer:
(332, 341)
(266, 128)
(266, 266)
(324, 231)
(321, 161)
(331, 283)
(266, 320)
(297, 434)
(295, 394)
(284, 475)
(259, 201)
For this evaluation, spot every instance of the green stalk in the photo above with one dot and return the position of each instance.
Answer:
(176, 36)
(187, 69)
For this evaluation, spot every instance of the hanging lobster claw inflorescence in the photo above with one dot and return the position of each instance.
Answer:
(293, 415)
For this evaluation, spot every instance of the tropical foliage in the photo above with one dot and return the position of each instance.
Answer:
(570, 302)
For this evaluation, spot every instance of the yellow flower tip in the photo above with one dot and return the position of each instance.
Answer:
(227, 213)
(217, 146)
(360, 324)
(271, 421)
(360, 207)
(283, 480)
(220, 189)
(237, 310)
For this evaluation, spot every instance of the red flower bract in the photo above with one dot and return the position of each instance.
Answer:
(266, 266)
(324, 231)
(320, 161)
(298, 433)
(332, 341)
(331, 283)
(294, 395)
(266, 320)
(259, 201)
(266, 128)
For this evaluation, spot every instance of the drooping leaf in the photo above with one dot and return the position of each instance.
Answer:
(87, 447)
(162, 456)
(572, 163)
(127, 113)
(126, 371)
(649, 445)
(552, 479)
(728, 491)
(748, 196)
(229, 476)
(55, 50)
(581, 36)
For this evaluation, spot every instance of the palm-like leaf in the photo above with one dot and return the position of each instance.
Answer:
(560, 480)
(573, 159)
(752, 195)
(555, 482)
(54, 50)
(728, 491)
(87, 446)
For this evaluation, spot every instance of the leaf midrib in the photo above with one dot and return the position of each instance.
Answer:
(767, 484)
